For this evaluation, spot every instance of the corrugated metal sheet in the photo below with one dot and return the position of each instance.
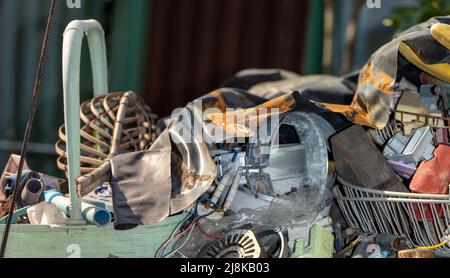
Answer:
(197, 44)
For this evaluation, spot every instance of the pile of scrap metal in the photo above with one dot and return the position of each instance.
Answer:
(274, 164)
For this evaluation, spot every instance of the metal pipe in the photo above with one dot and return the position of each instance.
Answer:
(90, 213)
(443, 197)
(394, 200)
(227, 179)
(232, 192)
(73, 38)
(32, 191)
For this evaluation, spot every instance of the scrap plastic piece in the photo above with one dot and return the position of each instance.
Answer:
(295, 232)
(404, 170)
(432, 177)
(411, 149)
(320, 244)
(46, 214)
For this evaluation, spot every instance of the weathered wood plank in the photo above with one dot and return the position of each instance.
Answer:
(41, 241)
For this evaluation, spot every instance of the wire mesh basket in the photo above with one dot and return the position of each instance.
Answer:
(423, 219)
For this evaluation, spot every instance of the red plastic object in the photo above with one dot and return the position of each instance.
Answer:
(432, 177)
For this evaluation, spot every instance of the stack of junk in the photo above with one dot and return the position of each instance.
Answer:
(270, 165)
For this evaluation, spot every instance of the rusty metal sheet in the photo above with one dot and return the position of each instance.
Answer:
(359, 162)
(239, 113)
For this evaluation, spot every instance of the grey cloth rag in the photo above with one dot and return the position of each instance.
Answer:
(141, 185)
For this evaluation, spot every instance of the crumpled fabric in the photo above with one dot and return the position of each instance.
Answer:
(141, 185)
(148, 186)
(249, 112)
(374, 93)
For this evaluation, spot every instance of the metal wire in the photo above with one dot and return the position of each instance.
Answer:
(423, 219)
(26, 139)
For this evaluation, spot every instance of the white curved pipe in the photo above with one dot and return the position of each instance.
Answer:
(90, 213)
(73, 38)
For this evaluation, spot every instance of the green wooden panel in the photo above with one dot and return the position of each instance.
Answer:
(41, 241)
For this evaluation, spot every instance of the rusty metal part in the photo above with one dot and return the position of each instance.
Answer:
(421, 120)
(112, 124)
(416, 254)
(193, 170)
(152, 184)
(11, 168)
(250, 116)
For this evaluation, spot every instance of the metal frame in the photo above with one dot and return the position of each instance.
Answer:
(428, 120)
(398, 213)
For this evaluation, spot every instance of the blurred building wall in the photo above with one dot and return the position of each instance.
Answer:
(22, 23)
(197, 44)
(169, 51)
(173, 51)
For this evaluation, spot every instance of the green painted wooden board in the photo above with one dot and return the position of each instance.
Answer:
(41, 241)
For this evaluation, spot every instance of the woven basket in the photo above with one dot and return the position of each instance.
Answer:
(111, 124)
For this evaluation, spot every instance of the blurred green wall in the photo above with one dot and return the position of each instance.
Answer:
(23, 23)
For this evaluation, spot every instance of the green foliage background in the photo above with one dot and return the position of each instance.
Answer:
(404, 18)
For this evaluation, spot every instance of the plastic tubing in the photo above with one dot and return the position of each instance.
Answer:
(92, 214)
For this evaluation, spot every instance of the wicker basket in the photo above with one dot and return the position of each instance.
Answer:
(111, 124)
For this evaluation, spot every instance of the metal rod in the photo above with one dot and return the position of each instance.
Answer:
(26, 139)
(443, 197)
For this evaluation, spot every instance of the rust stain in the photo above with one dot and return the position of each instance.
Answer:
(190, 179)
(346, 110)
(219, 103)
(362, 112)
(378, 79)
(5, 203)
(250, 116)
(283, 103)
